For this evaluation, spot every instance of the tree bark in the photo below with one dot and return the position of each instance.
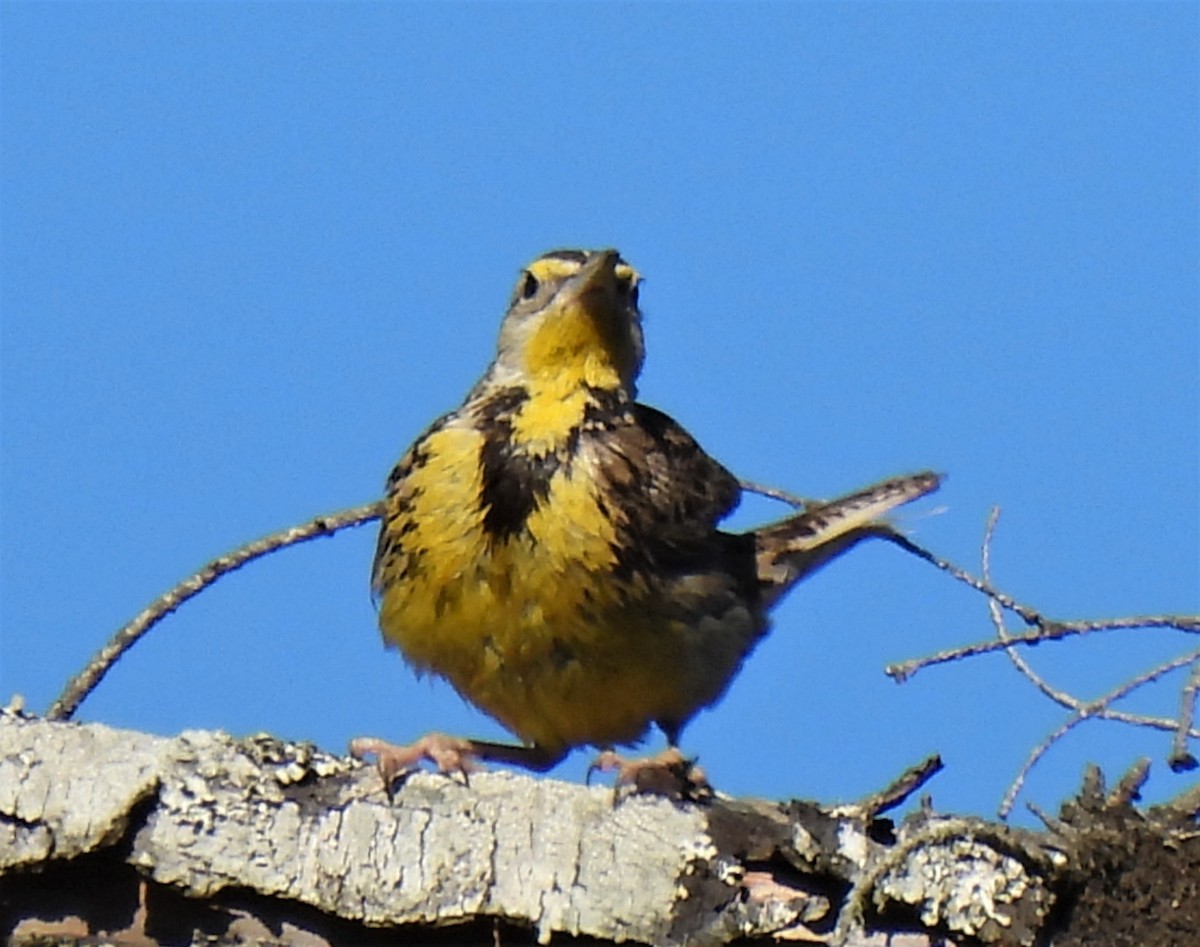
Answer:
(202, 838)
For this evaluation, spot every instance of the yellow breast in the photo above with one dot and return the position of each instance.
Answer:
(536, 628)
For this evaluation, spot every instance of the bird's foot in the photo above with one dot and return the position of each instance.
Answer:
(449, 754)
(668, 773)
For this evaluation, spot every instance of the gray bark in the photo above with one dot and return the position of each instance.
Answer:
(307, 848)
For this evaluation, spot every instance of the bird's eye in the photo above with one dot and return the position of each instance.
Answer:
(529, 286)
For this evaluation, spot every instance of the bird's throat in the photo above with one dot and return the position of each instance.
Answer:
(579, 347)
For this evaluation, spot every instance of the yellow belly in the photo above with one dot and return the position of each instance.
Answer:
(534, 629)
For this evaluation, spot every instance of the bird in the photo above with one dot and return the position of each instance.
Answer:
(552, 547)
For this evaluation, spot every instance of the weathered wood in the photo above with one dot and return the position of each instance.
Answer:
(280, 835)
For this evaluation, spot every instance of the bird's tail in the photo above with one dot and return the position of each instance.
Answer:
(793, 548)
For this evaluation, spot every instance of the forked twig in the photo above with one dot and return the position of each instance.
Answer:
(86, 681)
(1047, 630)
(1002, 632)
(1091, 709)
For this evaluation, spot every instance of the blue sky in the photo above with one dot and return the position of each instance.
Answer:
(250, 251)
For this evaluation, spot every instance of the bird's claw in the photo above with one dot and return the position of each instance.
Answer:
(668, 773)
(449, 754)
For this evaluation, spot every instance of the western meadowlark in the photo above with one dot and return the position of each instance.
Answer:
(552, 549)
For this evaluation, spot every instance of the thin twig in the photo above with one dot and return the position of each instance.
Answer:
(83, 683)
(1055, 826)
(1051, 632)
(904, 670)
(1028, 615)
(1046, 630)
(900, 789)
(1185, 623)
(1091, 709)
(1129, 787)
(1141, 720)
(775, 494)
(1180, 759)
(1063, 698)
(1018, 783)
(1002, 632)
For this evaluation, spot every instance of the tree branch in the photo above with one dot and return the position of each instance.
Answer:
(86, 681)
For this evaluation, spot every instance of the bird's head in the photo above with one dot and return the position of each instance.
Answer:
(573, 320)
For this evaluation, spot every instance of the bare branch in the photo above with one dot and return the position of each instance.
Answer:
(1043, 629)
(1047, 630)
(83, 683)
(1051, 632)
(775, 493)
(1129, 787)
(1028, 615)
(1018, 783)
(1142, 720)
(901, 788)
(904, 670)
(1097, 708)
(1180, 759)
(1063, 698)
(1060, 697)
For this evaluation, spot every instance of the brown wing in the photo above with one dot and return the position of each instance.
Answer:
(667, 494)
(685, 573)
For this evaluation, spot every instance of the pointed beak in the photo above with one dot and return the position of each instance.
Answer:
(599, 272)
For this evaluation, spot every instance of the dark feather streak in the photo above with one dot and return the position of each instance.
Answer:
(514, 481)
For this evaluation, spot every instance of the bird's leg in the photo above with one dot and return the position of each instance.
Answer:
(450, 755)
(537, 759)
